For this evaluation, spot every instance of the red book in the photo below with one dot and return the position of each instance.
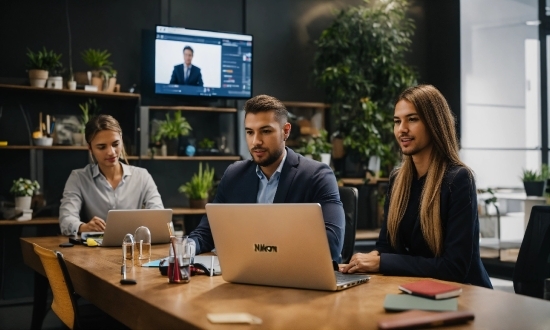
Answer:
(431, 289)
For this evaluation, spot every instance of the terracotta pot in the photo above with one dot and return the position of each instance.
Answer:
(198, 203)
(111, 85)
(98, 82)
(38, 78)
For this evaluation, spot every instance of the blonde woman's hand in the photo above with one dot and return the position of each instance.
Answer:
(363, 263)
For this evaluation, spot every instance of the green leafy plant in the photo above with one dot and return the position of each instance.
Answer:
(200, 185)
(89, 107)
(44, 60)
(173, 128)
(530, 175)
(97, 59)
(24, 187)
(206, 143)
(315, 145)
(360, 64)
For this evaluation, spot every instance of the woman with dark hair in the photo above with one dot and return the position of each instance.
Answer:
(106, 183)
(431, 226)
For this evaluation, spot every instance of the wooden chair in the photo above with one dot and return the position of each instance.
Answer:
(65, 299)
(349, 197)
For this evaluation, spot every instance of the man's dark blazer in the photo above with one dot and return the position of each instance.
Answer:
(302, 181)
(195, 76)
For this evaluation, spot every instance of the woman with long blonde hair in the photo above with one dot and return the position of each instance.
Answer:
(431, 226)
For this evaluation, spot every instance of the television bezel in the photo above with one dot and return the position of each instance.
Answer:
(169, 96)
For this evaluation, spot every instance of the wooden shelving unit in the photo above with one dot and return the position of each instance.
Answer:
(68, 92)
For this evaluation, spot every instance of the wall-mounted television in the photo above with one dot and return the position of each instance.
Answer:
(202, 63)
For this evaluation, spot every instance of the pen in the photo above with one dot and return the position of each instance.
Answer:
(212, 266)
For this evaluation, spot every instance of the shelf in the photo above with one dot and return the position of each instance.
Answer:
(45, 147)
(194, 158)
(35, 221)
(78, 92)
(186, 108)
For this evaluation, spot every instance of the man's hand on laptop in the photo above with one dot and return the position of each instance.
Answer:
(363, 263)
(96, 224)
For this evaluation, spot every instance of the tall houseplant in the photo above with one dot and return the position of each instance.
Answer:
(198, 188)
(360, 64)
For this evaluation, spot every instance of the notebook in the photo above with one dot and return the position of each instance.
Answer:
(121, 222)
(277, 245)
(405, 302)
(431, 289)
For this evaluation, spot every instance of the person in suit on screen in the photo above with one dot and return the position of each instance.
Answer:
(276, 174)
(187, 73)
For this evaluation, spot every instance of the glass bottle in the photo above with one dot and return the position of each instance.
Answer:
(128, 251)
(143, 245)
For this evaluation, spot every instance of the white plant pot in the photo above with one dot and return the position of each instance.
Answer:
(325, 158)
(23, 202)
(71, 84)
(55, 82)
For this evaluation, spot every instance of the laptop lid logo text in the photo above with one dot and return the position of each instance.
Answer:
(264, 248)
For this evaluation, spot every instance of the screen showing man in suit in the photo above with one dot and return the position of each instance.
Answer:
(187, 73)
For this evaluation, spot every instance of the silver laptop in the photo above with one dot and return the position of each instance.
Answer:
(121, 222)
(276, 244)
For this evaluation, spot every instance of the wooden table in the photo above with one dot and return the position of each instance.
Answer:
(155, 304)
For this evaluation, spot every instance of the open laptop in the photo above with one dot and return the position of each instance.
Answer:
(276, 244)
(121, 222)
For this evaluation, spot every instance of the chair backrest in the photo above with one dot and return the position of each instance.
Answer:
(349, 197)
(64, 300)
(532, 265)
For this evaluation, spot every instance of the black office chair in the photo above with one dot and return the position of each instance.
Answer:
(533, 265)
(349, 197)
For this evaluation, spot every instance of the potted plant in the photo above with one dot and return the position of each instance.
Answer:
(206, 148)
(170, 130)
(89, 108)
(98, 61)
(23, 190)
(199, 187)
(360, 64)
(534, 181)
(40, 63)
(316, 147)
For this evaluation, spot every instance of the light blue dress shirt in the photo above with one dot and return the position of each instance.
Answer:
(268, 188)
(88, 190)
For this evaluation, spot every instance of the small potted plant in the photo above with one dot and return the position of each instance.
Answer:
(206, 148)
(98, 61)
(198, 189)
(534, 181)
(40, 63)
(317, 147)
(89, 108)
(23, 190)
(170, 130)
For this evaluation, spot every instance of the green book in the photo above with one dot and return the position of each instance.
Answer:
(404, 302)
